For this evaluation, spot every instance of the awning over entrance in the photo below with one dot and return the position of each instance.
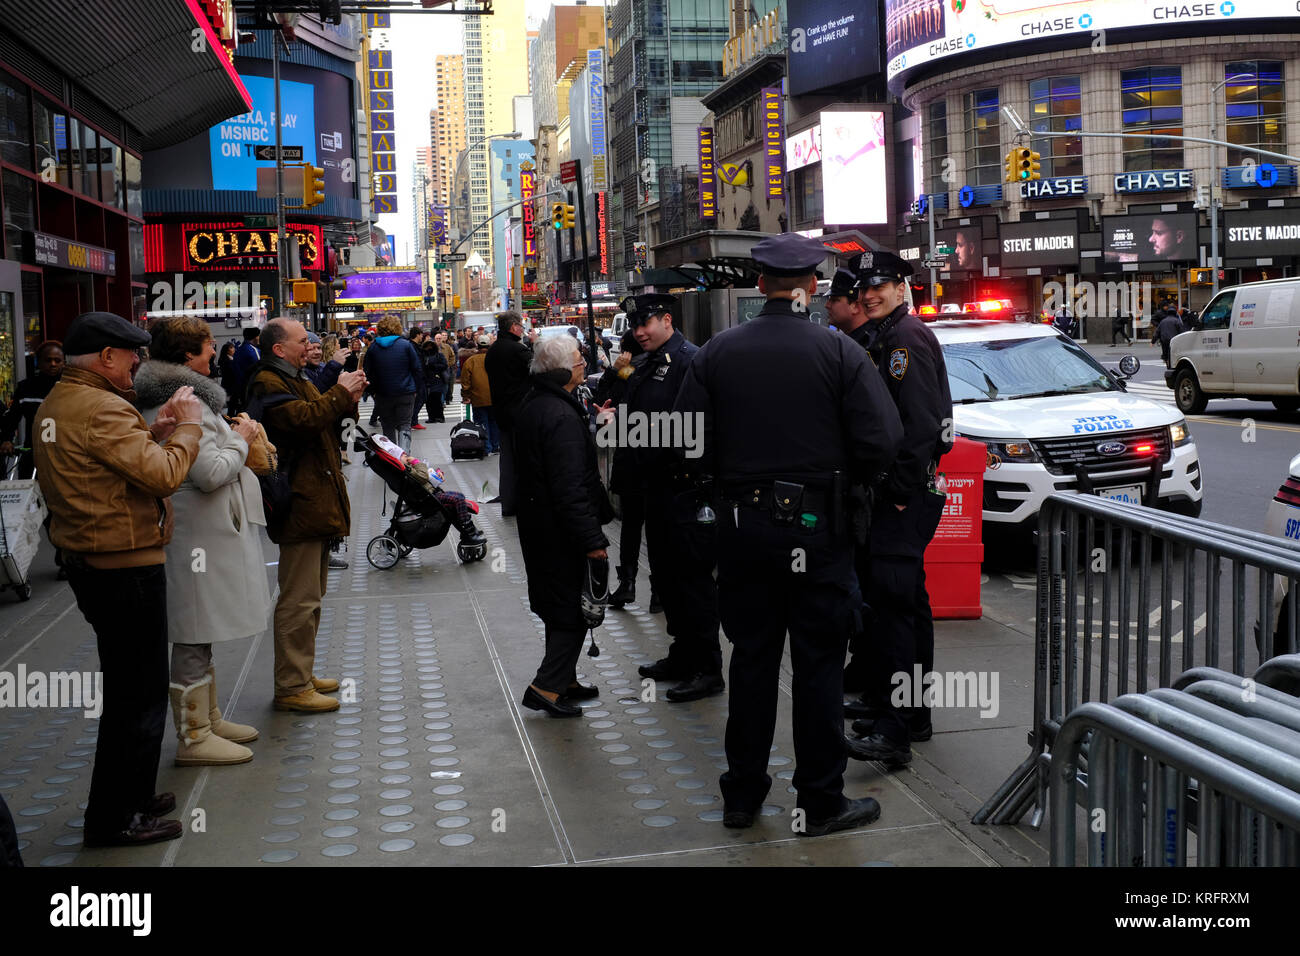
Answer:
(157, 63)
(723, 256)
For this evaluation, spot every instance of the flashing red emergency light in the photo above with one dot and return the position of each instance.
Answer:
(929, 310)
(1145, 448)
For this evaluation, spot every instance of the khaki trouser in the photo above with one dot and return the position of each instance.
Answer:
(302, 573)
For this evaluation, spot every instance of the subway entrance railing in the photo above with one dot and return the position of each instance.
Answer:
(1128, 598)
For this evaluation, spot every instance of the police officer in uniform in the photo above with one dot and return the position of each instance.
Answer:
(785, 556)
(682, 551)
(845, 312)
(907, 510)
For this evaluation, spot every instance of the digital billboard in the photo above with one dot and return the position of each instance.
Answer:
(853, 168)
(918, 32)
(830, 43)
(318, 118)
(1039, 242)
(1150, 237)
(966, 243)
(383, 285)
(1260, 233)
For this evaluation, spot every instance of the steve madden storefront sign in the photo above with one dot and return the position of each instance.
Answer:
(1057, 187)
(1154, 181)
(1261, 233)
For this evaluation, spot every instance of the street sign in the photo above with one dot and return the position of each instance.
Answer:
(440, 265)
(943, 250)
(455, 257)
(569, 171)
(933, 263)
(291, 154)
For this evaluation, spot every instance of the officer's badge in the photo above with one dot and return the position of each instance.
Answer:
(898, 363)
(867, 260)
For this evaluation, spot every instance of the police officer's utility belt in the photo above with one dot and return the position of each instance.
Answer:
(784, 501)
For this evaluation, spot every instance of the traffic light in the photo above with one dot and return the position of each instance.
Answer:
(938, 290)
(557, 215)
(313, 186)
(568, 216)
(1010, 166)
(1027, 164)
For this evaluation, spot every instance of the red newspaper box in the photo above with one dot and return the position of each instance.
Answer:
(952, 561)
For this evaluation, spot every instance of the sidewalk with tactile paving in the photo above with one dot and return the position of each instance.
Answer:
(433, 762)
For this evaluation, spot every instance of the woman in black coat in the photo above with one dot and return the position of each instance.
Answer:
(562, 506)
(435, 378)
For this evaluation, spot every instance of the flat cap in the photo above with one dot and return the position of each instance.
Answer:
(788, 254)
(92, 331)
(844, 282)
(877, 267)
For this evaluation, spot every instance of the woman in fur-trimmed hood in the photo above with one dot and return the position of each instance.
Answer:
(216, 574)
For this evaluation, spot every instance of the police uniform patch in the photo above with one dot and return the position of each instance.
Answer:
(898, 363)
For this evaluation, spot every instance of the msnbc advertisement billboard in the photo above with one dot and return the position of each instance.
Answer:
(919, 32)
(382, 285)
(318, 118)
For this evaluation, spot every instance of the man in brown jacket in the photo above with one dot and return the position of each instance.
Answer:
(476, 391)
(106, 481)
(304, 426)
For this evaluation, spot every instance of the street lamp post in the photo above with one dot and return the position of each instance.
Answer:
(1214, 166)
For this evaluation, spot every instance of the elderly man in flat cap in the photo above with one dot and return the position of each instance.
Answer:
(107, 478)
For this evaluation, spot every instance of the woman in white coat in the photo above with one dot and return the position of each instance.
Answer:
(216, 574)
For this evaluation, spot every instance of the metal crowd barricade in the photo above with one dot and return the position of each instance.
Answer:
(1160, 770)
(1119, 587)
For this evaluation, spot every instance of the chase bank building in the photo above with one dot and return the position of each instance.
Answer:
(1122, 209)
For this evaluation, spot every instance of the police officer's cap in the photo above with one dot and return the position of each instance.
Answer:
(91, 332)
(788, 255)
(640, 308)
(877, 268)
(844, 283)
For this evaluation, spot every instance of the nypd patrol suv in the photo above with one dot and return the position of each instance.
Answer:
(1055, 420)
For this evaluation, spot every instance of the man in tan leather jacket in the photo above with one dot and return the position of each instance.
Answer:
(106, 481)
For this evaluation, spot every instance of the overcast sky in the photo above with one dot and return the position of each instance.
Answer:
(416, 40)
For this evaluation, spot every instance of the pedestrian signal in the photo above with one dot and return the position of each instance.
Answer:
(568, 216)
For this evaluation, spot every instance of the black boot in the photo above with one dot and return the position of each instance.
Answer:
(470, 534)
(625, 593)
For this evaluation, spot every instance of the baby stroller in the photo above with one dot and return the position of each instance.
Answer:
(421, 518)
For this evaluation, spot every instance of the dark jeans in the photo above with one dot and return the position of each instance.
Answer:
(421, 394)
(483, 415)
(629, 539)
(433, 405)
(394, 413)
(127, 608)
(560, 665)
(506, 486)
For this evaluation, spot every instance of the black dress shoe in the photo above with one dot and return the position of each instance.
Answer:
(867, 727)
(576, 691)
(656, 607)
(557, 708)
(858, 813)
(698, 687)
(860, 709)
(142, 829)
(879, 747)
(663, 669)
(160, 804)
(734, 818)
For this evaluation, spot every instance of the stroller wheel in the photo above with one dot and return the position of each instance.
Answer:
(469, 552)
(384, 552)
(403, 549)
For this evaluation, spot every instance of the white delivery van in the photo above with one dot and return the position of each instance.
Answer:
(1246, 344)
